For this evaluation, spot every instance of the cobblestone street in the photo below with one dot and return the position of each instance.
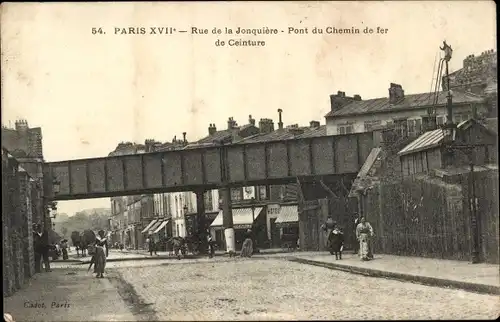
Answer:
(275, 289)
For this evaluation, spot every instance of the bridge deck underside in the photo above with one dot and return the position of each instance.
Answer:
(184, 170)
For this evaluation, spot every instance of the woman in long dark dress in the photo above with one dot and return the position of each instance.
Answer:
(247, 248)
(336, 241)
(101, 250)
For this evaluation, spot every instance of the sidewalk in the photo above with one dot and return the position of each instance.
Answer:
(217, 252)
(482, 278)
(67, 295)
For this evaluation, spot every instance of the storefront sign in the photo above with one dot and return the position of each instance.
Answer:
(273, 209)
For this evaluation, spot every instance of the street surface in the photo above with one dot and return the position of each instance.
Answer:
(275, 289)
(222, 288)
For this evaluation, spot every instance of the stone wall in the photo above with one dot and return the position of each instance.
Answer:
(17, 212)
(9, 172)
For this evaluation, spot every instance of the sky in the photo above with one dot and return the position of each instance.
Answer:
(88, 92)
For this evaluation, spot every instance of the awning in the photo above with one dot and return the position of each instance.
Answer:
(156, 225)
(242, 218)
(162, 225)
(288, 215)
(149, 225)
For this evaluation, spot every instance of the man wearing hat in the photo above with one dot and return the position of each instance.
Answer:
(41, 247)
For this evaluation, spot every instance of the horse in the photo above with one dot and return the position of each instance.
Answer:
(76, 241)
(87, 238)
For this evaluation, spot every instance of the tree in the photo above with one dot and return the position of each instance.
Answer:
(64, 231)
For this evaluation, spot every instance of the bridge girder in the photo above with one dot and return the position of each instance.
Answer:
(262, 163)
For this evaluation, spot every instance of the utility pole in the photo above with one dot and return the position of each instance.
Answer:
(227, 213)
(449, 133)
(450, 127)
(474, 218)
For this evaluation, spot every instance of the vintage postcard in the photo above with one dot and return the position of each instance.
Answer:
(286, 160)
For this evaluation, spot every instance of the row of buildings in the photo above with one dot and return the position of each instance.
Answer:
(273, 210)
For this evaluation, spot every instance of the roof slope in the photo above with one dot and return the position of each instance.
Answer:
(434, 138)
(287, 134)
(382, 105)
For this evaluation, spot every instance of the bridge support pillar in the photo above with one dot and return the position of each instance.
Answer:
(202, 222)
(227, 221)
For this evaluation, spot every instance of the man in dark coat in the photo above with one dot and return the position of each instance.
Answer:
(41, 247)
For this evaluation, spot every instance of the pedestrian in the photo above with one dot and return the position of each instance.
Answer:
(336, 240)
(151, 245)
(64, 247)
(327, 227)
(356, 242)
(247, 248)
(364, 233)
(41, 245)
(101, 245)
(177, 244)
(210, 245)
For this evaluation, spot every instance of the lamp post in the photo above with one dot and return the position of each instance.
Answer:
(50, 205)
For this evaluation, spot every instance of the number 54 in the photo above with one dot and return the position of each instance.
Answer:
(97, 31)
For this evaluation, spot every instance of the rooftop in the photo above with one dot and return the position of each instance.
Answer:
(434, 138)
(287, 134)
(382, 105)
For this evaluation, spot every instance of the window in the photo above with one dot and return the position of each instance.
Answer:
(208, 200)
(369, 125)
(401, 127)
(345, 129)
(262, 192)
(462, 117)
(414, 127)
(236, 194)
(176, 210)
(166, 204)
(440, 120)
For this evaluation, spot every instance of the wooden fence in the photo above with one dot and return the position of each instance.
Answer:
(427, 217)
(314, 213)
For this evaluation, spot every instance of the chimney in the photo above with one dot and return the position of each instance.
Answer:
(339, 100)
(231, 123)
(184, 137)
(295, 129)
(149, 144)
(357, 97)
(396, 93)
(314, 124)
(212, 129)
(266, 125)
(21, 126)
(251, 120)
(280, 122)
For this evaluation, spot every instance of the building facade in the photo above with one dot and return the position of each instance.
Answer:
(478, 75)
(125, 219)
(354, 115)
